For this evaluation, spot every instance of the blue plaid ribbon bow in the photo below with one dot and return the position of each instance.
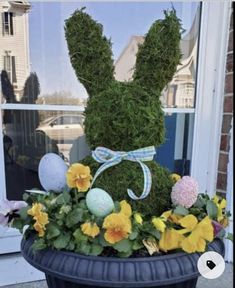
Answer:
(111, 158)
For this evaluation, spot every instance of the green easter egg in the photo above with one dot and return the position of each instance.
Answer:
(99, 202)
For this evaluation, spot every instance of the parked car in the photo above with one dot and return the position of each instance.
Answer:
(63, 127)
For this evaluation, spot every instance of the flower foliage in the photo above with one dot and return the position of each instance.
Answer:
(64, 222)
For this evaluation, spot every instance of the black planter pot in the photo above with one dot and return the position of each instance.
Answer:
(72, 270)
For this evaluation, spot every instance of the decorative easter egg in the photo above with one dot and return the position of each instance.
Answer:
(99, 202)
(52, 172)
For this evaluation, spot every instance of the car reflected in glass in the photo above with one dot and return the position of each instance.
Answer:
(63, 127)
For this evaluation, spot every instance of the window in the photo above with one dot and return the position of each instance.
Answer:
(25, 133)
(77, 120)
(10, 67)
(7, 23)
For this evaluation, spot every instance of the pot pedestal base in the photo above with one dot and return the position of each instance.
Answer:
(53, 282)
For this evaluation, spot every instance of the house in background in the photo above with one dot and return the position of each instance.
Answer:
(179, 93)
(14, 43)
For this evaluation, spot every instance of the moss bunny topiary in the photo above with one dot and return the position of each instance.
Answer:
(125, 116)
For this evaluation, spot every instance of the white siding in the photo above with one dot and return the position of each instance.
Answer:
(17, 43)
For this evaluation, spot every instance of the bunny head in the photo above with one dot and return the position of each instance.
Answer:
(123, 115)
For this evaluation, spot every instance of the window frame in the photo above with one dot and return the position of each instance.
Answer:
(7, 26)
(10, 61)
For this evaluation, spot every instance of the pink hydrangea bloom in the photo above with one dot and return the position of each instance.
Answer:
(185, 192)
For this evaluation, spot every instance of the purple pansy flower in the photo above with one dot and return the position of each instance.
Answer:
(217, 227)
(8, 208)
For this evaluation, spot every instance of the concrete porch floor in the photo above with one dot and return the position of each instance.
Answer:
(226, 281)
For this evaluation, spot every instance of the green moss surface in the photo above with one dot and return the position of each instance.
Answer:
(125, 117)
(117, 179)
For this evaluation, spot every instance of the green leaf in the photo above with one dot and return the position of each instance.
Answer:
(74, 217)
(124, 245)
(39, 244)
(228, 214)
(23, 213)
(96, 249)
(137, 245)
(102, 241)
(230, 237)
(155, 233)
(52, 231)
(125, 254)
(195, 211)
(82, 204)
(25, 197)
(180, 210)
(84, 248)
(79, 236)
(63, 198)
(71, 246)
(62, 241)
(133, 235)
(211, 209)
(18, 224)
(117, 207)
(201, 202)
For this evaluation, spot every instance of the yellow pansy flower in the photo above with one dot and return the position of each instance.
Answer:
(90, 229)
(36, 209)
(224, 222)
(200, 232)
(79, 176)
(168, 215)
(138, 218)
(175, 177)
(159, 224)
(170, 240)
(125, 208)
(118, 227)
(40, 217)
(40, 229)
(220, 206)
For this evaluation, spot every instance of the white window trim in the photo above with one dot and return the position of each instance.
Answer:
(214, 34)
(4, 34)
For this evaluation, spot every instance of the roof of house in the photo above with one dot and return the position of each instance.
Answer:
(186, 44)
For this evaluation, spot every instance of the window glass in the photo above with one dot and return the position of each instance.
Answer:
(27, 136)
(7, 18)
(125, 23)
(40, 72)
(65, 120)
(176, 153)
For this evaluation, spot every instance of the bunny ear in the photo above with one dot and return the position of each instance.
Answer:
(159, 55)
(90, 52)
